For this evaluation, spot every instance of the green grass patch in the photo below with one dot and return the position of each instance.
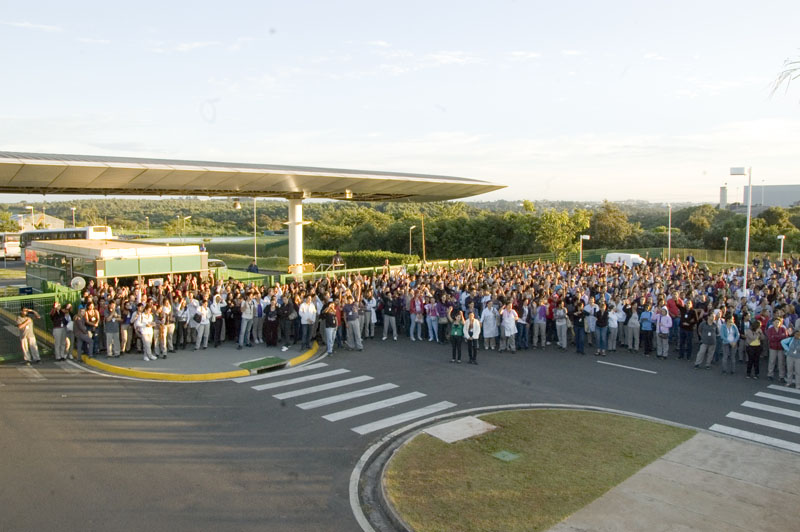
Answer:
(6, 273)
(241, 262)
(265, 362)
(566, 460)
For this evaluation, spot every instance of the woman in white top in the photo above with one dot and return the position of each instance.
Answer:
(203, 326)
(144, 326)
(489, 319)
(616, 317)
(508, 324)
(591, 309)
(216, 309)
(370, 316)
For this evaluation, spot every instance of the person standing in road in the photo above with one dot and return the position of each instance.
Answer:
(601, 329)
(27, 338)
(92, 325)
(707, 331)
(457, 337)
(689, 318)
(112, 322)
(144, 326)
(329, 320)
(508, 324)
(472, 331)
(308, 315)
(730, 340)
(578, 325)
(248, 307)
(59, 322)
(775, 335)
(390, 309)
(754, 342)
(646, 321)
(353, 326)
(663, 325)
(203, 325)
(489, 321)
(560, 316)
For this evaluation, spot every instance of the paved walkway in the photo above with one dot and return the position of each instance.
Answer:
(707, 483)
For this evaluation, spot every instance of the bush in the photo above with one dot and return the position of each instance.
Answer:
(359, 259)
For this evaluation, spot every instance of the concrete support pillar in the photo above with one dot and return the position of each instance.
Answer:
(296, 236)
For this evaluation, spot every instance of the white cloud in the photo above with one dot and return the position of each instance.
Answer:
(652, 56)
(571, 52)
(521, 55)
(189, 46)
(239, 43)
(30, 26)
(445, 57)
(87, 40)
(379, 44)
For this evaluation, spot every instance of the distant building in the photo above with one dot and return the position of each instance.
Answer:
(773, 195)
(723, 197)
(40, 221)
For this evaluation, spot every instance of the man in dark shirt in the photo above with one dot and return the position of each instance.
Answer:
(689, 317)
(389, 315)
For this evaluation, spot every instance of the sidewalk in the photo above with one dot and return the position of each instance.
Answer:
(707, 483)
(222, 362)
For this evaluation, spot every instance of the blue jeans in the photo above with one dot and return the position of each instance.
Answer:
(601, 338)
(685, 348)
(244, 331)
(306, 327)
(330, 338)
(522, 336)
(415, 327)
(675, 330)
(580, 336)
(433, 328)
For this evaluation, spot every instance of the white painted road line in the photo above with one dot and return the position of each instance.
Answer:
(760, 438)
(279, 373)
(626, 367)
(67, 368)
(783, 388)
(371, 407)
(298, 380)
(322, 387)
(345, 396)
(778, 398)
(32, 374)
(402, 418)
(764, 422)
(773, 409)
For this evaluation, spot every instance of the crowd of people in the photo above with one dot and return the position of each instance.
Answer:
(663, 308)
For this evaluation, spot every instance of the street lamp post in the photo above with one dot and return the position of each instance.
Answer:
(669, 233)
(147, 221)
(782, 238)
(73, 215)
(255, 234)
(409, 237)
(183, 231)
(580, 255)
(33, 222)
(725, 239)
(749, 173)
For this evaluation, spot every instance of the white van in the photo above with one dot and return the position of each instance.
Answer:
(628, 259)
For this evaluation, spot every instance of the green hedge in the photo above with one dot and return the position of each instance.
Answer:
(359, 259)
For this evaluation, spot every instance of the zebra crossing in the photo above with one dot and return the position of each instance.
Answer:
(771, 418)
(317, 378)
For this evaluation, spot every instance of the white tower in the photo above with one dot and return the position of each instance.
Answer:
(723, 196)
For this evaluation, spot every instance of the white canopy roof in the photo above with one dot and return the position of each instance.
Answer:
(37, 173)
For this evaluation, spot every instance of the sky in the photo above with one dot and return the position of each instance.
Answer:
(570, 100)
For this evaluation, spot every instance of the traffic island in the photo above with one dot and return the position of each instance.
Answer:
(532, 470)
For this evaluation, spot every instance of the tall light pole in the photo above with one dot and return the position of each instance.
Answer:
(580, 256)
(782, 238)
(749, 173)
(147, 221)
(183, 232)
(725, 239)
(255, 235)
(33, 222)
(73, 215)
(423, 238)
(409, 237)
(669, 233)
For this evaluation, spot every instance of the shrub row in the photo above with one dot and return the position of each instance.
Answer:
(359, 259)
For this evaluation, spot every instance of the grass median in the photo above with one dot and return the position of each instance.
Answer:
(566, 459)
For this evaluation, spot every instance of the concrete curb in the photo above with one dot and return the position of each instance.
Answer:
(155, 376)
(187, 377)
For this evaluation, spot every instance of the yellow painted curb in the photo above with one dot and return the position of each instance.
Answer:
(152, 375)
(305, 356)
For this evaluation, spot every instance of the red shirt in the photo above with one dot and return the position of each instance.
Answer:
(775, 336)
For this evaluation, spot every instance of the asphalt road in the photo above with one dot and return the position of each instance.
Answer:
(86, 452)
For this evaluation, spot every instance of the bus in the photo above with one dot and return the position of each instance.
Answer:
(92, 232)
(9, 246)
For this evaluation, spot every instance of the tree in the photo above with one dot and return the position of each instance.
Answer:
(558, 231)
(7, 224)
(790, 72)
(610, 226)
(777, 216)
